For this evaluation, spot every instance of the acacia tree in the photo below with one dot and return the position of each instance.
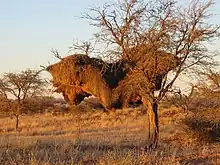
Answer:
(21, 86)
(205, 90)
(164, 25)
(180, 99)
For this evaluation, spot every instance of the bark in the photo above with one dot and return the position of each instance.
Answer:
(17, 122)
(18, 113)
(153, 122)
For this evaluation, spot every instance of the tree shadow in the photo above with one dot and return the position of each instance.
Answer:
(204, 129)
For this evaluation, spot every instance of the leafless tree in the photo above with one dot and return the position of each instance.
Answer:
(21, 86)
(165, 25)
(180, 99)
(212, 79)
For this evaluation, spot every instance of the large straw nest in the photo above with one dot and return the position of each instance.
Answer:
(152, 60)
(78, 76)
(131, 88)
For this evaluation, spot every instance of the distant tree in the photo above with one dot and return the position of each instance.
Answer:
(180, 99)
(205, 93)
(21, 87)
(208, 90)
(209, 82)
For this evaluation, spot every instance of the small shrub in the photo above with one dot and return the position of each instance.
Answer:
(204, 129)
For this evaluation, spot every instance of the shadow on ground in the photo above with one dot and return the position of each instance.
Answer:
(204, 129)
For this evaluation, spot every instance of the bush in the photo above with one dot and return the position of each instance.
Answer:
(6, 105)
(202, 103)
(204, 127)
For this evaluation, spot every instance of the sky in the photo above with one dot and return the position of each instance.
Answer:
(29, 29)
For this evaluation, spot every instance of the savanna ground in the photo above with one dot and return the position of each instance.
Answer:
(115, 138)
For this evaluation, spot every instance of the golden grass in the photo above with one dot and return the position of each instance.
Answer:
(98, 138)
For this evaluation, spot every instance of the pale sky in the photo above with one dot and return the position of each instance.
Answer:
(30, 28)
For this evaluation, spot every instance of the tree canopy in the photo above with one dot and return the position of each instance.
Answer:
(20, 87)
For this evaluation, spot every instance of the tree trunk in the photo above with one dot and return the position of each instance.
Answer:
(17, 114)
(153, 122)
(17, 122)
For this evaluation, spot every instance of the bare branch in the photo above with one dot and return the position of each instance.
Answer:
(56, 54)
(84, 47)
